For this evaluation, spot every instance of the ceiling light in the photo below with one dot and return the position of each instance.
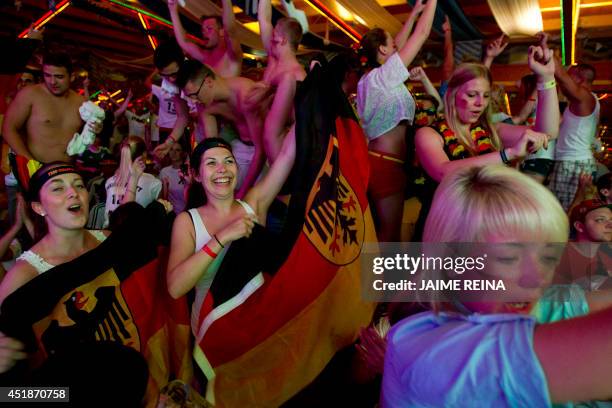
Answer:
(344, 13)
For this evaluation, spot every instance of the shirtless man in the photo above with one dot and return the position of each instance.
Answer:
(220, 51)
(281, 74)
(226, 97)
(43, 118)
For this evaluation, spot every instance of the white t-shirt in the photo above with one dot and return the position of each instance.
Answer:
(167, 110)
(137, 123)
(176, 191)
(383, 100)
(577, 134)
(148, 190)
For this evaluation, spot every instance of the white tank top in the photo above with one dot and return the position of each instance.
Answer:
(577, 134)
(42, 266)
(202, 236)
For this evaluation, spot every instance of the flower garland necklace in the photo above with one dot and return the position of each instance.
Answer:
(480, 136)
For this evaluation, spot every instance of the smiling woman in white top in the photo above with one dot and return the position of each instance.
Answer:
(200, 234)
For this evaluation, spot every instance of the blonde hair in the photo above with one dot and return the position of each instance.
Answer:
(131, 148)
(465, 73)
(477, 202)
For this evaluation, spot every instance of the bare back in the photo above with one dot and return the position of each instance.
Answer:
(394, 141)
(52, 122)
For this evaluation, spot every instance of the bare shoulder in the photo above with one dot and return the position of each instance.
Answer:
(184, 224)
(29, 93)
(428, 135)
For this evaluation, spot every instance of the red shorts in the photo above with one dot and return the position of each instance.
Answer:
(387, 176)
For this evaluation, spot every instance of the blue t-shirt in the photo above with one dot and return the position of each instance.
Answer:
(561, 302)
(453, 360)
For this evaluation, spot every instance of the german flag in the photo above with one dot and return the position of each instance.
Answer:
(114, 294)
(266, 331)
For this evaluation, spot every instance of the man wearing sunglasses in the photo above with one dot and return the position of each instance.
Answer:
(227, 98)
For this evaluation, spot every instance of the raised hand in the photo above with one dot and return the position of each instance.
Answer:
(417, 74)
(418, 7)
(446, 26)
(541, 61)
(137, 168)
(542, 39)
(496, 47)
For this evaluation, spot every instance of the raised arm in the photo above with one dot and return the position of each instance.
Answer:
(404, 33)
(418, 74)
(278, 116)
(264, 17)
(263, 194)
(255, 126)
(448, 66)
(412, 47)
(547, 114)
(121, 110)
(577, 95)
(229, 28)
(493, 50)
(190, 48)
(15, 119)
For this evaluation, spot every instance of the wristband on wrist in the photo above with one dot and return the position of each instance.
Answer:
(503, 156)
(171, 140)
(543, 86)
(209, 251)
(217, 239)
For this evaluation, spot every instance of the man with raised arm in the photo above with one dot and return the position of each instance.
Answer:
(282, 73)
(221, 51)
(43, 118)
(573, 153)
